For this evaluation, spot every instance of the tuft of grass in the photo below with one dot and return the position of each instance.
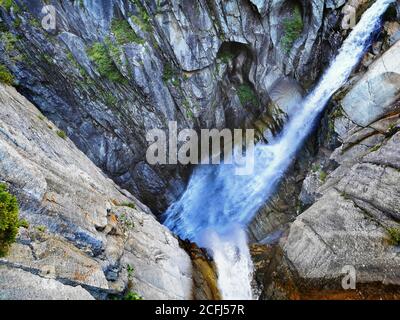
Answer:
(99, 54)
(5, 76)
(126, 221)
(9, 222)
(127, 204)
(292, 27)
(124, 33)
(132, 296)
(316, 167)
(247, 95)
(6, 4)
(225, 56)
(189, 112)
(41, 229)
(392, 130)
(130, 270)
(61, 134)
(168, 73)
(375, 148)
(110, 100)
(143, 19)
(9, 40)
(394, 234)
(23, 223)
(322, 176)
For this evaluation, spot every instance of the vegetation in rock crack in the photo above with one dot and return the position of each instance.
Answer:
(132, 296)
(99, 54)
(5, 76)
(41, 229)
(247, 95)
(110, 100)
(61, 134)
(9, 221)
(124, 33)
(292, 28)
(8, 4)
(394, 234)
(128, 223)
(322, 176)
(142, 19)
(376, 147)
(169, 74)
(130, 271)
(225, 56)
(127, 204)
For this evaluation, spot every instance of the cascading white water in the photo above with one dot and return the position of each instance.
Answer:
(217, 204)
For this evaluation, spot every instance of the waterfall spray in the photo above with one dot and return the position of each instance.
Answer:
(217, 205)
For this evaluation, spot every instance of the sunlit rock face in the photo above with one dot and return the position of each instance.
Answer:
(87, 238)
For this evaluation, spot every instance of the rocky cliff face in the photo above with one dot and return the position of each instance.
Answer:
(112, 70)
(87, 238)
(353, 199)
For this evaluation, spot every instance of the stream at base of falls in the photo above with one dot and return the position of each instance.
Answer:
(217, 205)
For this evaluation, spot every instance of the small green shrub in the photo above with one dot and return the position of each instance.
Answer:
(110, 100)
(128, 204)
(126, 221)
(124, 33)
(99, 54)
(5, 76)
(41, 229)
(130, 270)
(23, 223)
(322, 176)
(17, 23)
(292, 27)
(9, 221)
(143, 19)
(189, 112)
(168, 73)
(9, 40)
(6, 4)
(132, 296)
(394, 234)
(316, 168)
(392, 130)
(61, 134)
(247, 95)
(225, 56)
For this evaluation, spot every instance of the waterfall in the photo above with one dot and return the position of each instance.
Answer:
(217, 204)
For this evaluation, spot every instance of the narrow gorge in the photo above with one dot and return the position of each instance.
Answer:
(82, 83)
